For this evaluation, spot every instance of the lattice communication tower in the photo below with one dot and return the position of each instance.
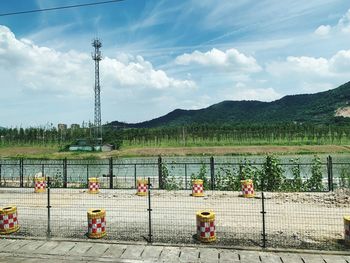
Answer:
(96, 56)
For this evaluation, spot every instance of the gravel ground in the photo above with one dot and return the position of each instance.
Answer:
(305, 220)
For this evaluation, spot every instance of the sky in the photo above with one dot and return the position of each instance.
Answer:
(160, 55)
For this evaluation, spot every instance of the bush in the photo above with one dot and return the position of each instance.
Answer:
(296, 183)
(344, 180)
(202, 175)
(169, 180)
(227, 180)
(314, 183)
(273, 177)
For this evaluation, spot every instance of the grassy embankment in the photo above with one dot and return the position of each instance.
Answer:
(52, 152)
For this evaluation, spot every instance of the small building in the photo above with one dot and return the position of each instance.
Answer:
(75, 126)
(107, 147)
(62, 127)
(81, 145)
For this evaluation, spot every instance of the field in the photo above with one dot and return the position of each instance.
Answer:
(300, 220)
(53, 152)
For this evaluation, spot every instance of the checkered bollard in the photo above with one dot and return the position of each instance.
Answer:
(94, 186)
(206, 226)
(247, 188)
(40, 185)
(142, 186)
(8, 220)
(96, 223)
(197, 188)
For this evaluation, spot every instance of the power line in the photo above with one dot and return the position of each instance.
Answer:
(59, 8)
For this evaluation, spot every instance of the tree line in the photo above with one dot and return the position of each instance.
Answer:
(189, 135)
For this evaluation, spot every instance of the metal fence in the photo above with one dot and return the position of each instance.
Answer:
(272, 219)
(120, 174)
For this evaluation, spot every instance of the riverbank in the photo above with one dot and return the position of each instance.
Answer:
(54, 153)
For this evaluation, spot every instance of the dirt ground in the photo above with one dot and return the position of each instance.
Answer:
(235, 150)
(47, 152)
(302, 220)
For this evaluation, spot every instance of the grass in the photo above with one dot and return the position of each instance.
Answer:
(52, 152)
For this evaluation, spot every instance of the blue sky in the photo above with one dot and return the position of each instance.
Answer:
(160, 55)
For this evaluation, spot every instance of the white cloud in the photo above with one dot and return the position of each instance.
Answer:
(299, 65)
(136, 72)
(340, 62)
(343, 26)
(244, 92)
(230, 60)
(45, 70)
(337, 65)
(309, 74)
(323, 30)
(344, 23)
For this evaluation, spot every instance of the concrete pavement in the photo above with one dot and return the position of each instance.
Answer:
(24, 250)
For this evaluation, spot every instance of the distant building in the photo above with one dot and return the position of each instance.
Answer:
(62, 127)
(107, 147)
(75, 126)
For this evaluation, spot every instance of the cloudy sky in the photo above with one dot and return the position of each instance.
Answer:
(159, 55)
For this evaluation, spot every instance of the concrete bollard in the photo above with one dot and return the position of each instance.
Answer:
(40, 185)
(197, 188)
(8, 220)
(94, 186)
(206, 226)
(142, 187)
(96, 223)
(247, 188)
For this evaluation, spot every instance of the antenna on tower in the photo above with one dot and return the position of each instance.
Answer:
(96, 56)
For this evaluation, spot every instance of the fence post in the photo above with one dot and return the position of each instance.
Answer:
(65, 172)
(263, 212)
(149, 211)
(330, 173)
(135, 177)
(160, 173)
(111, 173)
(21, 172)
(0, 175)
(212, 173)
(48, 234)
(240, 172)
(186, 176)
(87, 174)
(42, 170)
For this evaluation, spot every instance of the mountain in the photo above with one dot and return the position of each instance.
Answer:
(332, 106)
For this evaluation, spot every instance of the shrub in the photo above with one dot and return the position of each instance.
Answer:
(272, 177)
(227, 179)
(202, 175)
(169, 180)
(314, 183)
(344, 180)
(295, 183)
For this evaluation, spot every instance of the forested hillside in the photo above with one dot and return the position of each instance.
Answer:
(292, 120)
(316, 108)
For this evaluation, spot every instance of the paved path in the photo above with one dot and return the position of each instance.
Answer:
(23, 250)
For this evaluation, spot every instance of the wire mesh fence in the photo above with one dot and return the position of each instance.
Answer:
(285, 217)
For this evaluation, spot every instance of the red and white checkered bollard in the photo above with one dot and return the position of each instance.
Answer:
(40, 184)
(206, 226)
(94, 186)
(247, 188)
(197, 188)
(96, 223)
(142, 187)
(8, 220)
